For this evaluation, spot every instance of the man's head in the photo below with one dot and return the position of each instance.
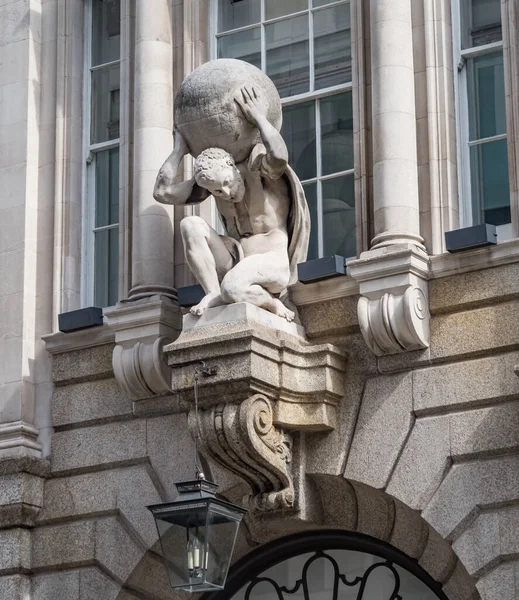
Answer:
(216, 171)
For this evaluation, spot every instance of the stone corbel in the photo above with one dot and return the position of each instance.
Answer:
(243, 438)
(142, 328)
(267, 382)
(393, 309)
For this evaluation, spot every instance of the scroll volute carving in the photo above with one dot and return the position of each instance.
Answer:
(242, 437)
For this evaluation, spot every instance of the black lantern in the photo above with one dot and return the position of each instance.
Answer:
(197, 531)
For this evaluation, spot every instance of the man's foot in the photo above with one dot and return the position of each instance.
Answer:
(209, 300)
(279, 309)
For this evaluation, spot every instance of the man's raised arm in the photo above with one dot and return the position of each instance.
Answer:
(166, 190)
(255, 110)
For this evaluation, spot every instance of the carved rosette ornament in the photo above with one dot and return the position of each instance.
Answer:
(243, 438)
(393, 309)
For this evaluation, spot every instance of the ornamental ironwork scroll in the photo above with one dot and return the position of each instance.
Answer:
(360, 583)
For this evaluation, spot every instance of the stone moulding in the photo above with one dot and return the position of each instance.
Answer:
(393, 307)
(142, 328)
(269, 382)
(19, 439)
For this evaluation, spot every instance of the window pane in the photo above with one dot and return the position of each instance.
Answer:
(489, 178)
(480, 22)
(105, 104)
(245, 45)
(316, 3)
(106, 31)
(339, 217)
(486, 92)
(106, 267)
(232, 14)
(275, 8)
(107, 187)
(287, 55)
(311, 198)
(299, 134)
(336, 133)
(332, 46)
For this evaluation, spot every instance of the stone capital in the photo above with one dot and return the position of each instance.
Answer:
(142, 328)
(393, 309)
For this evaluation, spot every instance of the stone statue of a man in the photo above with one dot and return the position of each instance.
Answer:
(262, 206)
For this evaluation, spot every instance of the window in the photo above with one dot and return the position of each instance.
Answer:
(304, 46)
(101, 208)
(328, 564)
(484, 180)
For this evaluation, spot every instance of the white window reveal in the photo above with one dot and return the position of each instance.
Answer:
(101, 214)
(484, 180)
(304, 46)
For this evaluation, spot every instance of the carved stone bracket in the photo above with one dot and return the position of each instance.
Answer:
(243, 438)
(393, 309)
(269, 383)
(142, 328)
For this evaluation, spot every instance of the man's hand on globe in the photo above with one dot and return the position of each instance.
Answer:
(251, 104)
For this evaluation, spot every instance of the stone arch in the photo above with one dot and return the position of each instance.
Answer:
(333, 502)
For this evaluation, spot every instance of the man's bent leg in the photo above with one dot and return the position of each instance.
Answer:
(208, 258)
(255, 278)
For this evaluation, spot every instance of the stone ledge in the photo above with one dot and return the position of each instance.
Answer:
(254, 353)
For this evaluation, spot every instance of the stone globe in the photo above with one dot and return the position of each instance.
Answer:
(207, 115)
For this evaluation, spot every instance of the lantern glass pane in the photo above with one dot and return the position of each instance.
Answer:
(173, 541)
(221, 530)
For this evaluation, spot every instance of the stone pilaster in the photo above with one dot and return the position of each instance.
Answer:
(395, 171)
(152, 223)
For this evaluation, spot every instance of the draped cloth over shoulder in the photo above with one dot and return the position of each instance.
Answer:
(298, 224)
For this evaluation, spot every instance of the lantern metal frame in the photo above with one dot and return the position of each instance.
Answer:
(197, 509)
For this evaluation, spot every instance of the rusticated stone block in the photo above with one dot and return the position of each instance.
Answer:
(336, 492)
(99, 445)
(474, 288)
(493, 430)
(16, 549)
(128, 490)
(151, 580)
(438, 558)
(90, 401)
(465, 384)
(15, 587)
(410, 531)
(479, 545)
(332, 318)
(500, 583)
(423, 463)
(470, 485)
(460, 585)
(111, 537)
(382, 427)
(482, 330)
(63, 545)
(375, 512)
(82, 365)
(50, 586)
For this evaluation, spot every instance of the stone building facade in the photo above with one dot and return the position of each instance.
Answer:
(390, 413)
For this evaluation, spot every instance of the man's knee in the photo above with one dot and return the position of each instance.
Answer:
(193, 228)
(232, 291)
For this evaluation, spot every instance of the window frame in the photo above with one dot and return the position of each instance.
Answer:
(88, 211)
(464, 144)
(358, 100)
